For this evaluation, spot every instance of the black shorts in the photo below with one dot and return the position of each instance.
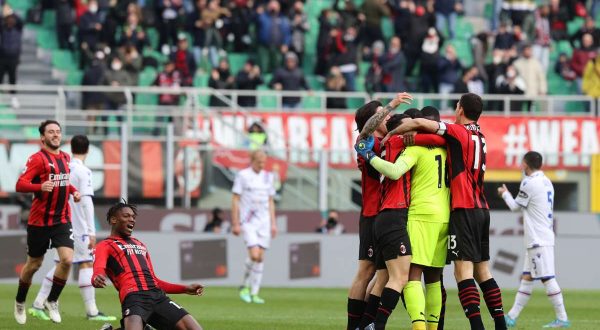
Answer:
(366, 250)
(154, 307)
(40, 239)
(390, 236)
(469, 235)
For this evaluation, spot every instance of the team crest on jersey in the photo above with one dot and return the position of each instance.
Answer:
(370, 252)
(402, 248)
(127, 311)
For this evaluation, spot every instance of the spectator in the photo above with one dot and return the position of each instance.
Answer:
(582, 56)
(133, 33)
(374, 77)
(541, 45)
(374, 11)
(220, 78)
(513, 84)
(479, 49)
(347, 59)
(328, 21)
(65, 18)
(116, 76)
(241, 19)
(257, 137)
(558, 20)
(504, 38)
(401, 16)
(168, 78)
(168, 11)
(563, 68)
(300, 26)
(132, 62)
(335, 83)
(449, 69)
(289, 78)
(195, 27)
(445, 15)
(212, 23)
(495, 69)
(274, 36)
(519, 13)
(331, 225)
(349, 15)
(393, 67)
(11, 35)
(470, 82)
(217, 224)
(118, 11)
(421, 19)
(588, 28)
(533, 74)
(591, 78)
(89, 29)
(248, 79)
(184, 61)
(430, 54)
(94, 76)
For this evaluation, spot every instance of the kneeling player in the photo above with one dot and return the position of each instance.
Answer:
(126, 261)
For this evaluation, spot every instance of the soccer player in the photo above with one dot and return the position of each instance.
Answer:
(468, 240)
(84, 234)
(46, 175)
(126, 262)
(427, 222)
(370, 187)
(392, 244)
(253, 214)
(536, 200)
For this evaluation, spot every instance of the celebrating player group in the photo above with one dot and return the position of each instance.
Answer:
(423, 205)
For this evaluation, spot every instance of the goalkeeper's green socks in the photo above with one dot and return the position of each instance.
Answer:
(433, 298)
(415, 304)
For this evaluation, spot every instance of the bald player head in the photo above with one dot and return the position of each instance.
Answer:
(258, 159)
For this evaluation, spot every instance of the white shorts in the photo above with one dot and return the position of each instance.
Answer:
(81, 252)
(257, 236)
(539, 262)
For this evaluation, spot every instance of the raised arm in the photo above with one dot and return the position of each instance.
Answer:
(418, 124)
(378, 118)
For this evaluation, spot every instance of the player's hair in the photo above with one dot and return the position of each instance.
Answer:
(365, 112)
(257, 152)
(80, 145)
(533, 159)
(430, 112)
(42, 128)
(413, 113)
(117, 207)
(472, 105)
(395, 121)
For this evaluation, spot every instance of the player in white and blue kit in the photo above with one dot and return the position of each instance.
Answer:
(84, 235)
(253, 215)
(536, 200)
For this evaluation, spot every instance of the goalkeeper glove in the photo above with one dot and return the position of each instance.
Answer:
(364, 148)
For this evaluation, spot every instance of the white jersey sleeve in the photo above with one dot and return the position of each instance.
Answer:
(524, 195)
(82, 213)
(238, 184)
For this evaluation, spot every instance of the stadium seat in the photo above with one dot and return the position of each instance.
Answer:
(314, 83)
(63, 60)
(74, 77)
(147, 77)
(152, 36)
(311, 103)
(266, 102)
(236, 61)
(201, 80)
(574, 25)
(49, 19)
(46, 39)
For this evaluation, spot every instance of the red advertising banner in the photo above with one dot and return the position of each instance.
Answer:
(566, 142)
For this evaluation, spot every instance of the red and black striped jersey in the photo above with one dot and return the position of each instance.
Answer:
(126, 262)
(370, 184)
(48, 208)
(395, 194)
(466, 157)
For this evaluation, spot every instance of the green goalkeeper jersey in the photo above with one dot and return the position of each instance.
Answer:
(430, 192)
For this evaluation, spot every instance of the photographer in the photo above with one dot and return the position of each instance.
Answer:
(248, 78)
(331, 225)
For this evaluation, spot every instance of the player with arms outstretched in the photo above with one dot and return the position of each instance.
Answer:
(84, 234)
(536, 200)
(468, 240)
(126, 262)
(46, 175)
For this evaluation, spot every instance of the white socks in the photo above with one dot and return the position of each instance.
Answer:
(248, 265)
(44, 289)
(256, 277)
(521, 299)
(87, 291)
(555, 296)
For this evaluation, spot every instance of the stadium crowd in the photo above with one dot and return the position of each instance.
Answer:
(113, 43)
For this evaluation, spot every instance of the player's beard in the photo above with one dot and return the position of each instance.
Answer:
(49, 145)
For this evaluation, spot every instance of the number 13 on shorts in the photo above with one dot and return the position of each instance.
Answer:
(451, 242)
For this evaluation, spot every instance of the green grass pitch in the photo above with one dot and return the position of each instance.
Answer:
(294, 309)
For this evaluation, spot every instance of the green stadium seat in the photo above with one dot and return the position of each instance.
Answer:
(46, 39)
(49, 18)
(388, 28)
(201, 80)
(63, 60)
(266, 102)
(152, 35)
(236, 62)
(21, 5)
(74, 77)
(575, 25)
(565, 47)
(311, 102)
(147, 77)
(464, 29)
(314, 83)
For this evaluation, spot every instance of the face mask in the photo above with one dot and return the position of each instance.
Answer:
(116, 66)
(497, 59)
(93, 9)
(349, 37)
